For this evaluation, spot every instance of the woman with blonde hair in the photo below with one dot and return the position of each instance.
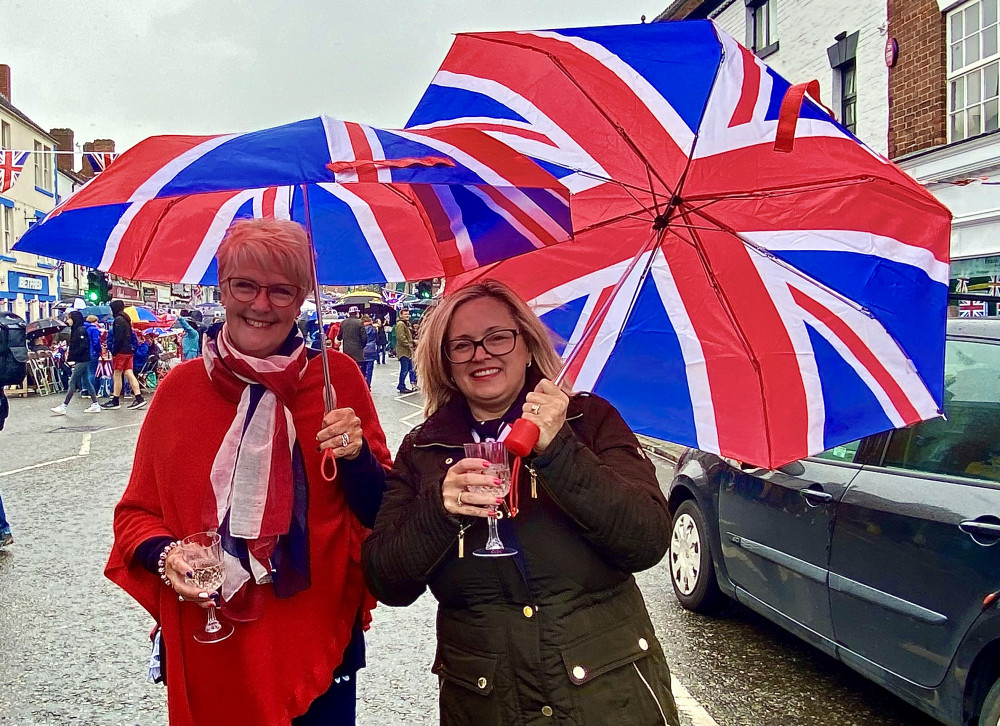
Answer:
(247, 420)
(559, 629)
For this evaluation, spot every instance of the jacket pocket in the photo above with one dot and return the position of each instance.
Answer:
(599, 654)
(472, 671)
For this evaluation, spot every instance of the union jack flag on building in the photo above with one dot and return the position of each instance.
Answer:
(99, 161)
(993, 286)
(11, 166)
(972, 309)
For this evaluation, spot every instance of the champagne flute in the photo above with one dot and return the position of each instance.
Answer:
(496, 454)
(203, 554)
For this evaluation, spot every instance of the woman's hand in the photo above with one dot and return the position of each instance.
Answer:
(178, 571)
(546, 408)
(455, 489)
(338, 422)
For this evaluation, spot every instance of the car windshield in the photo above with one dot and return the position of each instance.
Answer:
(967, 441)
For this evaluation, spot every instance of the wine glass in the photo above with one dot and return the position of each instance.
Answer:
(203, 553)
(496, 454)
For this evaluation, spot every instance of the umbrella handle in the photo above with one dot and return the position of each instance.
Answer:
(328, 465)
(522, 437)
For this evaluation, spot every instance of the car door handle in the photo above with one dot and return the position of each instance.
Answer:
(816, 496)
(988, 530)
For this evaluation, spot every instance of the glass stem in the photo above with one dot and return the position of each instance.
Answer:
(493, 540)
(213, 625)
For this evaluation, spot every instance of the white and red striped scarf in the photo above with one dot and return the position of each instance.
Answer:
(253, 482)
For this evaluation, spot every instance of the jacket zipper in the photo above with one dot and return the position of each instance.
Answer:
(650, 689)
(534, 481)
(461, 540)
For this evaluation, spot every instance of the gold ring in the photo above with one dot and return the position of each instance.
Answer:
(345, 438)
(535, 407)
(459, 500)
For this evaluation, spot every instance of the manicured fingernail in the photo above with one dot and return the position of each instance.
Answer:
(499, 500)
(497, 482)
(486, 465)
(203, 595)
(189, 574)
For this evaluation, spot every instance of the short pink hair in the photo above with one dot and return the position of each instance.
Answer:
(271, 244)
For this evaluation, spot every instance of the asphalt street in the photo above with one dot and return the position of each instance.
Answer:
(73, 647)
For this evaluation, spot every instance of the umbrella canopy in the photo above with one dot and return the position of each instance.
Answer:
(783, 287)
(44, 326)
(382, 205)
(101, 311)
(372, 307)
(358, 298)
(140, 314)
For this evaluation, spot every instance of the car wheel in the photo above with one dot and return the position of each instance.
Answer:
(690, 558)
(989, 714)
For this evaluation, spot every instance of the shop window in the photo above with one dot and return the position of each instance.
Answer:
(966, 442)
(762, 26)
(973, 70)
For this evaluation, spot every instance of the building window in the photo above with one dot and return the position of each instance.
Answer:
(8, 229)
(973, 70)
(38, 164)
(46, 167)
(762, 26)
(849, 96)
(4, 135)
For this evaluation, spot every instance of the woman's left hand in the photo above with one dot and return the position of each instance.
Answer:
(546, 408)
(338, 422)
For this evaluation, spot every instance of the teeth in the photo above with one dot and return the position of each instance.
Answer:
(256, 323)
(487, 372)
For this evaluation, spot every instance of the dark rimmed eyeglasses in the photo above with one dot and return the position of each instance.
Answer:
(499, 342)
(280, 294)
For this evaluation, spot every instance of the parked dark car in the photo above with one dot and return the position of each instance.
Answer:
(881, 552)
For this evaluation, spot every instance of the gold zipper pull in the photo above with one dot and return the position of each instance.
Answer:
(534, 483)
(461, 542)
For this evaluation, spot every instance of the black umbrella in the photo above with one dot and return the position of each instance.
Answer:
(45, 326)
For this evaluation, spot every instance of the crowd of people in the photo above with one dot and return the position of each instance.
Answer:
(307, 545)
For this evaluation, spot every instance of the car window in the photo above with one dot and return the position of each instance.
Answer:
(967, 441)
(844, 452)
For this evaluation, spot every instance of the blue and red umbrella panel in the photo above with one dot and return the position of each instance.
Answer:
(384, 205)
(782, 289)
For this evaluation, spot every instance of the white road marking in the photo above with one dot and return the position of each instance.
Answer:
(688, 706)
(38, 466)
(85, 446)
(116, 428)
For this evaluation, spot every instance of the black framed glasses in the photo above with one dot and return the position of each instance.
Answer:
(280, 294)
(499, 342)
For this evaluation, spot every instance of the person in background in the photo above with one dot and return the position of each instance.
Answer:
(6, 538)
(353, 336)
(368, 364)
(191, 342)
(404, 352)
(380, 341)
(122, 343)
(560, 628)
(78, 353)
(94, 336)
(333, 335)
(248, 423)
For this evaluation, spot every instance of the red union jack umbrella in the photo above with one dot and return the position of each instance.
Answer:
(722, 294)
(11, 166)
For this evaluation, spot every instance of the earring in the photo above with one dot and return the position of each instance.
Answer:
(529, 364)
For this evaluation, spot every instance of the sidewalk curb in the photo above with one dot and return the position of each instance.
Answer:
(664, 449)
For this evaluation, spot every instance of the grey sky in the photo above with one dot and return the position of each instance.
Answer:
(128, 69)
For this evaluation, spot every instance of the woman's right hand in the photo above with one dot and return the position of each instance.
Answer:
(178, 571)
(470, 473)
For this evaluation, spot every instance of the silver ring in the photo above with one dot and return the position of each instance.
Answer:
(180, 598)
(535, 407)
(346, 439)
(459, 500)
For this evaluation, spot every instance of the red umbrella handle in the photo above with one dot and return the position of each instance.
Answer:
(788, 116)
(522, 437)
(328, 465)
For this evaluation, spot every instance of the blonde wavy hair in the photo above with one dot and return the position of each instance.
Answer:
(435, 370)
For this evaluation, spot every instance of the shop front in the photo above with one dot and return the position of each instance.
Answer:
(28, 295)
(127, 293)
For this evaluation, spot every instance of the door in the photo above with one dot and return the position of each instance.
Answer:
(916, 546)
(776, 528)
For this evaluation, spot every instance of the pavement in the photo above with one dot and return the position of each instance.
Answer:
(73, 647)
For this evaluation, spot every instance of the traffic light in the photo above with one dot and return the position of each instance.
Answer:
(425, 289)
(97, 287)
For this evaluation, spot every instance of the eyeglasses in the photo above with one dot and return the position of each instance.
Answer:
(499, 342)
(280, 294)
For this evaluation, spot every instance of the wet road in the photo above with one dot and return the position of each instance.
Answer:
(73, 647)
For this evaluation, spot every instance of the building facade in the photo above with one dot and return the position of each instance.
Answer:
(841, 45)
(29, 285)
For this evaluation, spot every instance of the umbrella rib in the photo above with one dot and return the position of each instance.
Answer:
(780, 191)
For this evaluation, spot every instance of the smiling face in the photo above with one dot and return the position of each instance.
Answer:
(258, 328)
(490, 383)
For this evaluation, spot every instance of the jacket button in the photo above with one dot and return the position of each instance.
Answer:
(449, 460)
(579, 673)
(546, 710)
(481, 682)
(528, 612)
(643, 645)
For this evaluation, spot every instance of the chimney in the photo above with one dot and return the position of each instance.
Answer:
(96, 146)
(64, 142)
(5, 80)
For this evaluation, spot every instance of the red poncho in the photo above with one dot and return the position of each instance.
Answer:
(270, 670)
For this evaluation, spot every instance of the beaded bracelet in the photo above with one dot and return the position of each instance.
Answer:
(161, 566)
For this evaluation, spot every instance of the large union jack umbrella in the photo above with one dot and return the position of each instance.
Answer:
(383, 205)
(763, 305)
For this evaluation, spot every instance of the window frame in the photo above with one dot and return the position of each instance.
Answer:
(5, 135)
(849, 100)
(966, 70)
(8, 232)
(38, 164)
(770, 13)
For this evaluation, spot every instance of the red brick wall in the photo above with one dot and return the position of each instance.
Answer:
(104, 145)
(918, 103)
(64, 142)
(5, 81)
